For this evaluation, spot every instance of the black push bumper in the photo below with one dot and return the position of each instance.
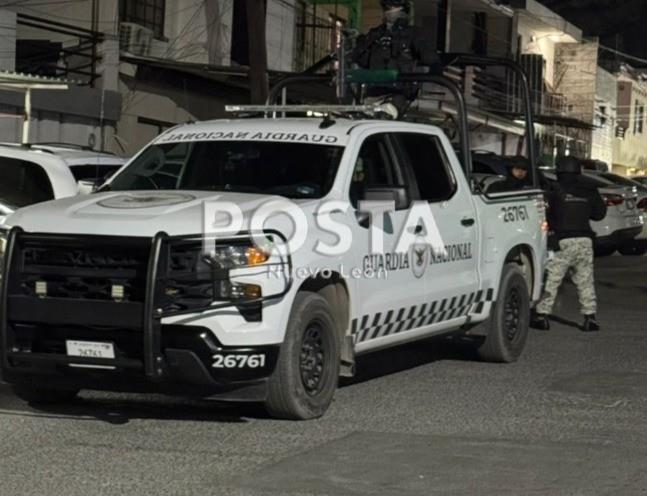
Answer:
(80, 273)
(187, 364)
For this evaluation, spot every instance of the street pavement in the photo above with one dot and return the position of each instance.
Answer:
(568, 419)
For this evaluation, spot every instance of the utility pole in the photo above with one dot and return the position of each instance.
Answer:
(258, 79)
(444, 25)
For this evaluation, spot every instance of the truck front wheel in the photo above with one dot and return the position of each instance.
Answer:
(509, 319)
(43, 395)
(306, 375)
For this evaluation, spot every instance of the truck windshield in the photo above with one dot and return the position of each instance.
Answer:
(293, 170)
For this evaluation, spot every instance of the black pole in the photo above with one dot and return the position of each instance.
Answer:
(258, 78)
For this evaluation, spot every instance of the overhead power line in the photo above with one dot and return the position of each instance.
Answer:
(622, 54)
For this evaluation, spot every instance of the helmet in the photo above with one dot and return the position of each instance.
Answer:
(569, 165)
(391, 4)
(518, 162)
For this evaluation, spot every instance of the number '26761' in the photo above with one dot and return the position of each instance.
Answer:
(515, 214)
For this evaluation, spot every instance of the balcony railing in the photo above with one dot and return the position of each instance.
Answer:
(500, 92)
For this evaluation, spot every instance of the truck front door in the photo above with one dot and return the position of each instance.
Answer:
(392, 293)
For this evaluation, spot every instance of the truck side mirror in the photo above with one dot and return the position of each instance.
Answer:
(397, 194)
(88, 186)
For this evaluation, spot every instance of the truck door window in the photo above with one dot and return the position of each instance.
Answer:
(374, 168)
(429, 165)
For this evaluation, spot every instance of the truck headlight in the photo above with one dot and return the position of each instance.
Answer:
(232, 256)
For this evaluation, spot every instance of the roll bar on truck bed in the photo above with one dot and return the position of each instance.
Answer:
(449, 59)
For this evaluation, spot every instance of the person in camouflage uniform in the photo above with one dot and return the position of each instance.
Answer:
(572, 204)
(576, 253)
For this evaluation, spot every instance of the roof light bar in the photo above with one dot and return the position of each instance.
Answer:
(316, 110)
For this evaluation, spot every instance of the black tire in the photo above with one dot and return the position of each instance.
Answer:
(304, 381)
(604, 251)
(509, 319)
(634, 249)
(43, 395)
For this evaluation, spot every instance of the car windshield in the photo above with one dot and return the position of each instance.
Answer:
(592, 179)
(23, 183)
(624, 181)
(293, 170)
(598, 181)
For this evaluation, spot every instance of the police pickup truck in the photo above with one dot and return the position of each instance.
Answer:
(254, 259)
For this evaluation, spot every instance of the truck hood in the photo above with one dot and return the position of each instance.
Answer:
(134, 213)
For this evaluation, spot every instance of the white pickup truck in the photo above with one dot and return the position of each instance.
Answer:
(124, 290)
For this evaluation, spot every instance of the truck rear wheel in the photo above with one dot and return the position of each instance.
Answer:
(306, 375)
(43, 395)
(509, 319)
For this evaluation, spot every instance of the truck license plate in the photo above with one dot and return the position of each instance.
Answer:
(90, 349)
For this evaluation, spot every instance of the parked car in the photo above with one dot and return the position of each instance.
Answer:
(639, 246)
(622, 180)
(623, 222)
(594, 165)
(35, 173)
(640, 179)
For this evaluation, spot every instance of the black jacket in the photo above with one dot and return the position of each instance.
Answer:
(572, 203)
(403, 47)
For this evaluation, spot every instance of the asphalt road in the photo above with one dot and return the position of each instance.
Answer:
(569, 418)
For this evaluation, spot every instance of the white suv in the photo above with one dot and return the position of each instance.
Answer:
(35, 173)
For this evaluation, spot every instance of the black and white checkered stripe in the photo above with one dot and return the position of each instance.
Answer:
(405, 319)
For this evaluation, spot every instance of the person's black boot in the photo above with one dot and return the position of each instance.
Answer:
(539, 321)
(590, 324)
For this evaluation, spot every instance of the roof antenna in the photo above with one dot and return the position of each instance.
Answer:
(327, 122)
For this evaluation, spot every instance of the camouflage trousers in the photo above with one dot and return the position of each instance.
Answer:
(575, 254)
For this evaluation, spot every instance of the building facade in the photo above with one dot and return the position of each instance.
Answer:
(138, 67)
(60, 44)
(630, 145)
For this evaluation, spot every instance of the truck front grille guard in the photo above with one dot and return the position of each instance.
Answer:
(150, 320)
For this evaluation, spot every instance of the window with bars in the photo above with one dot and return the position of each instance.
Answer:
(318, 33)
(147, 13)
